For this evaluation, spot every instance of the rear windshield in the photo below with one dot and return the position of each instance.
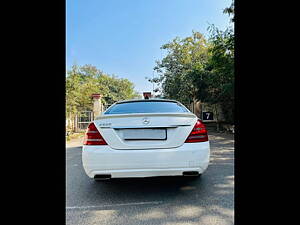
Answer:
(146, 107)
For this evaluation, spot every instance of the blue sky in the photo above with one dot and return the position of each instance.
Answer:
(123, 37)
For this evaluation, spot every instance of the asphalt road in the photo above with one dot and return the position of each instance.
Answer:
(172, 200)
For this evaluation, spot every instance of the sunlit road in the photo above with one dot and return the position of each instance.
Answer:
(206, 201)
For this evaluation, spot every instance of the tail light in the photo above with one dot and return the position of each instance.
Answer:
(198, 134)
(93, 137)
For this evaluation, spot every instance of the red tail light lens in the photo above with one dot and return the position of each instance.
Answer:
(198, 134)
(93, 137)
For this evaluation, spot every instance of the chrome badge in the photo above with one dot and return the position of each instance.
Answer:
(146, 121)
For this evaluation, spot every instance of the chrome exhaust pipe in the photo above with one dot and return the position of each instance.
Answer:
(102, 176)
(190, 173)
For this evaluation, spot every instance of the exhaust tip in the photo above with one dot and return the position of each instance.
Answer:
(102, 176)
(190, 173)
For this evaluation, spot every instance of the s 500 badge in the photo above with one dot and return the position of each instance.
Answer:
(104, 124)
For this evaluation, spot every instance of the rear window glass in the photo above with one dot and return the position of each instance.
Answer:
(146, 107)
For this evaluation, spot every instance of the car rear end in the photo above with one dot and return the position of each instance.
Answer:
(144, 139)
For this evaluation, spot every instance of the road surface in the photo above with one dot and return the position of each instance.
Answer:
(169, 201)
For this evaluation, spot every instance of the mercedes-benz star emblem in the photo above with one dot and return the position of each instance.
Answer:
(146, 121)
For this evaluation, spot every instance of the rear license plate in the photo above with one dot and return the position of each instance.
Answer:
(145, 134)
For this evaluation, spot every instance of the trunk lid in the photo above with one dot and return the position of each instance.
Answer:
(145, 130)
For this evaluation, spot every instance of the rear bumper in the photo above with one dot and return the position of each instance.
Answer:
(145, 163)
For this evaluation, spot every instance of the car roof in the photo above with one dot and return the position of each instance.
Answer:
(147, 100)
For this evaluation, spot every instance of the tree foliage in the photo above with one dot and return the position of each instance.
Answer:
(173, 70)
(199, 69)
(83, 81)
(216, 80)
(230, 11)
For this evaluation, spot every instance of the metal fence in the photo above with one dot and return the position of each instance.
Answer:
(83, 119)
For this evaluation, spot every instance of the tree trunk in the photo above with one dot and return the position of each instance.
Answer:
(217, 117)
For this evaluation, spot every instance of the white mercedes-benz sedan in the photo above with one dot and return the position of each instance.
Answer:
(145, 138)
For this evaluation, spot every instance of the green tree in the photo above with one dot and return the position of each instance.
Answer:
(83, 81)
(230, 11)
(117, 89)
(196, 69)
(215, 80)
(174, 77)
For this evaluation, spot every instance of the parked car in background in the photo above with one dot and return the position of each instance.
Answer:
(145, 138)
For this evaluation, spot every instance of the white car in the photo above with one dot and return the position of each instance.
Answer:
(145, 138)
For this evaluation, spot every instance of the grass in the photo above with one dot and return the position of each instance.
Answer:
(74, 136)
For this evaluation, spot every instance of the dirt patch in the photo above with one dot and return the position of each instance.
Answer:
(216, 135)
(75, 139)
